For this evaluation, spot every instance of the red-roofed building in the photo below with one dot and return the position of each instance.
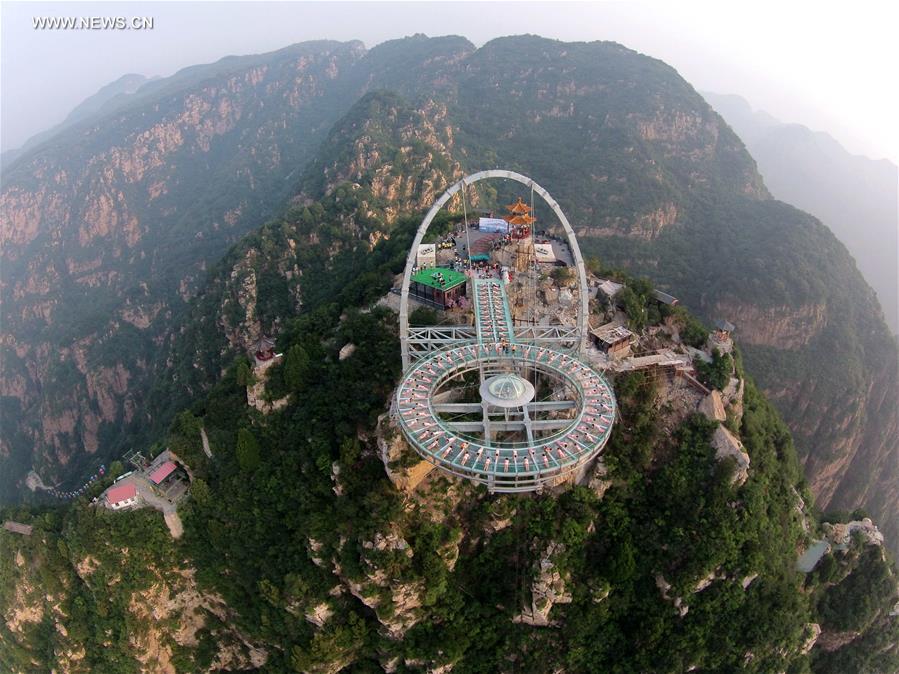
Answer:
(122, 496)
(162, 472)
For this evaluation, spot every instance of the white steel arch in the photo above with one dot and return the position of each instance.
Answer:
(423, 228)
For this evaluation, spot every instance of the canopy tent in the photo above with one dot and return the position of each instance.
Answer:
(493, 225)
(543, 252)
(427, 255)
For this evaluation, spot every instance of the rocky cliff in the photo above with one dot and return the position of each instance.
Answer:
(108, 230)
(652, 178)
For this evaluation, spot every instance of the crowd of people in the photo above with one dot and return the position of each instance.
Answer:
(555, 454)
(552, 454)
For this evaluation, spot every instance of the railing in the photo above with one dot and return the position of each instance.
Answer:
(427, 340)
(516, 479)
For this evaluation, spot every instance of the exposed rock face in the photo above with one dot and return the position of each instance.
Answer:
(395, 601)
(813, 632)
(598, 479)
(398, 182)
(190, 610)
(647, 225)
(832, 641)
(732, 396)
(256, 395)
(320, 614)
(547, 589)
(678, 602)
(708, 579)
(781, 327)
(839, 534)
(169, 612)
(402, 465)
(712, 406)
(727, 445)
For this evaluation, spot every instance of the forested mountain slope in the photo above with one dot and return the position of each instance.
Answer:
(856, 197)
(652, 178)
(107, 228)
(299, 554)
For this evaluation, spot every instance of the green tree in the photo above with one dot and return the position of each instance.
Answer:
(200, 492)
(296, 366)
(717, 373)
(244, 373)
(247, 450)
(115, 469)
(562, 275)
(634, 306)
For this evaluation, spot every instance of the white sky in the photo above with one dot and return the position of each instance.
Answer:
(832, 67)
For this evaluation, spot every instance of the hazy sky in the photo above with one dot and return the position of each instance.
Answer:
(831, 66)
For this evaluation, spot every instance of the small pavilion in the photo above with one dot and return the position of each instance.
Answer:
(438, 286)
(520, 214)
(264, 349)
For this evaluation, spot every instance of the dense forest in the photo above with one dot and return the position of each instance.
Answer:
(323, 564)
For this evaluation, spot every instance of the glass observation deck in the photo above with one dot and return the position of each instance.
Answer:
(509, 440)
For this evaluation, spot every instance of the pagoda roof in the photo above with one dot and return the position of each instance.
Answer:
(519, 207)
(522, 220)
(725, 325)
(264, 344)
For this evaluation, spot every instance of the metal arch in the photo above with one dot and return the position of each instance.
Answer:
(423, 228)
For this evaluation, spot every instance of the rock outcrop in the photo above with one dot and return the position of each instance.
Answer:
(712, 406)
(840, 534)
(727, 445)
(547, 589)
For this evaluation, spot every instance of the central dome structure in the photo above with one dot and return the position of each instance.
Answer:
(507, 390)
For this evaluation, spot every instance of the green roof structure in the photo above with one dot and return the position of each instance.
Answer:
(430, 276)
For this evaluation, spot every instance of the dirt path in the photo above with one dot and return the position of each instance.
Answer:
(205, 439)
(173, 522)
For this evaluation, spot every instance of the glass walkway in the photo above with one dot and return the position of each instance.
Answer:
(551, 439)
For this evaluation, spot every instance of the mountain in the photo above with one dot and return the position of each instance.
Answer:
(108, 227)
(303, 548)
(856, 197)
(113, 227)
(122, 87)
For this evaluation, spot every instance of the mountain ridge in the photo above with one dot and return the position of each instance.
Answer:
(648, 171)
(855, 196)
(300, 554)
